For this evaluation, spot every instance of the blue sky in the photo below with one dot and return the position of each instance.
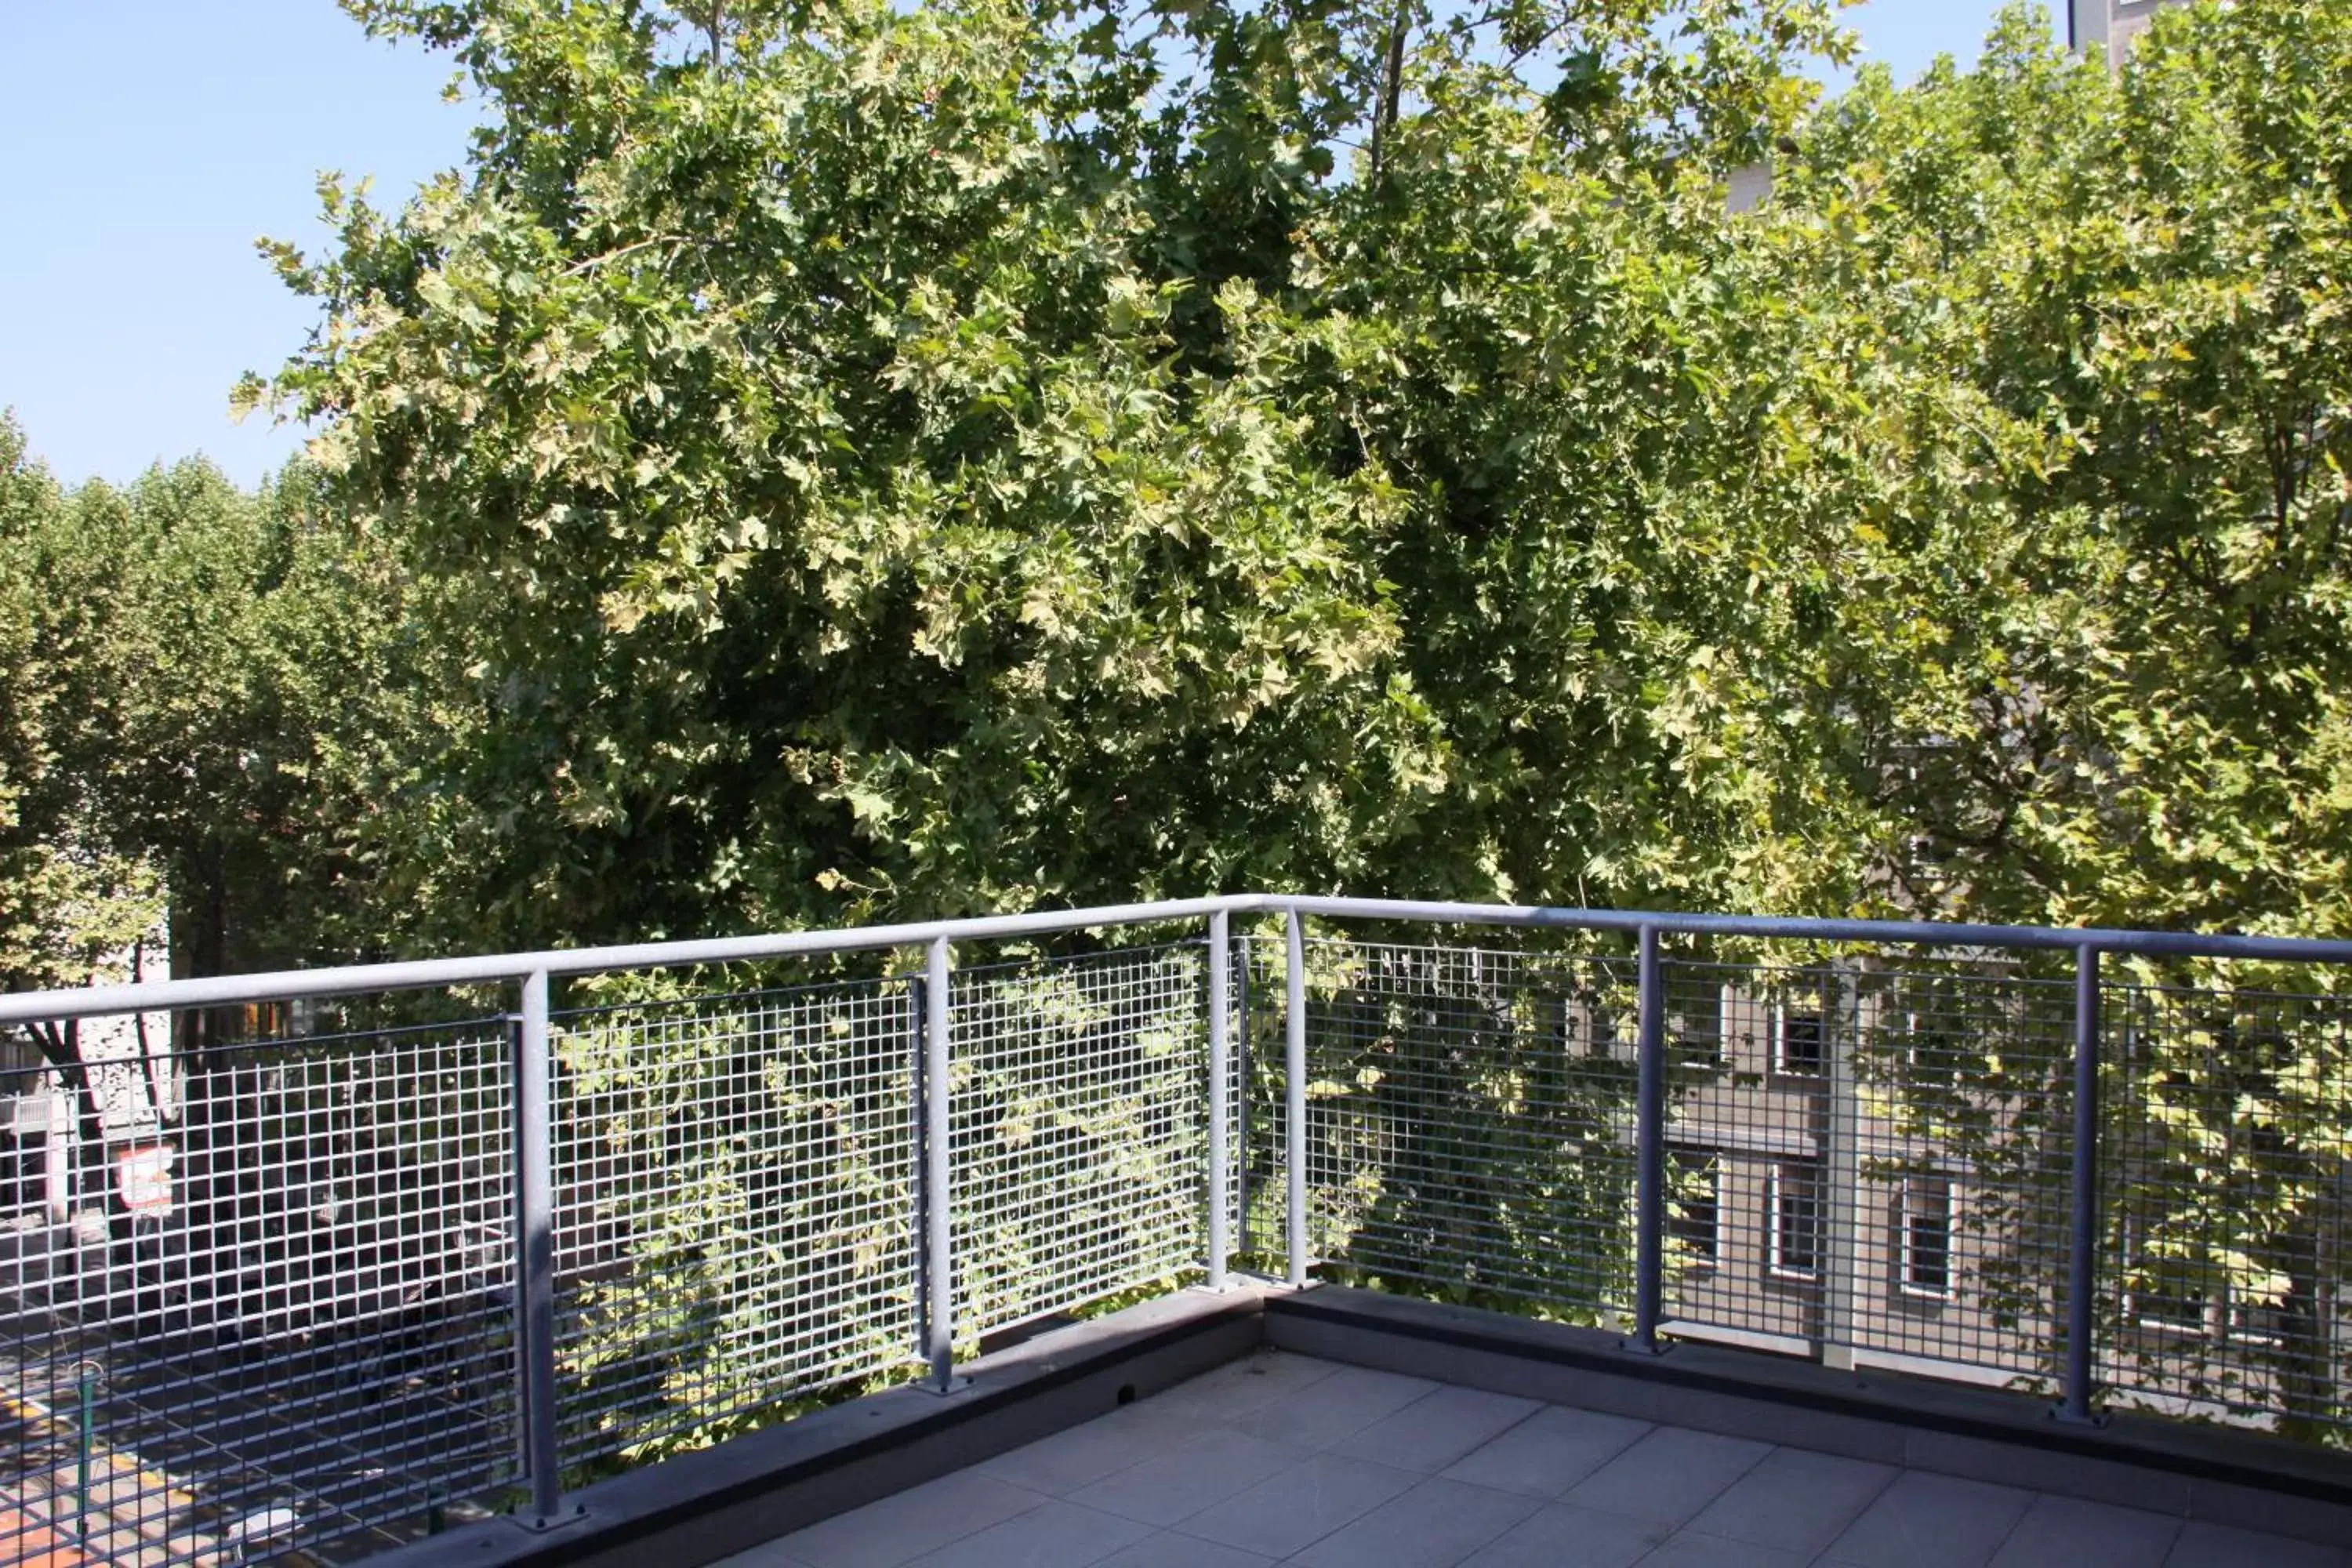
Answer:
(152, 141)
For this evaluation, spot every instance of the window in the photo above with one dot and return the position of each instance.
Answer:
(1925, 1224)
(1695, 1203)
(2163, 1289)
(1799, 1040)
(2259, 1322)
(1794, 1200)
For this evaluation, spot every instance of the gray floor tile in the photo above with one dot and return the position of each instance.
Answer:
(1081, 1456)
(897, 1530)
(1932, 1522)
(1165, 1549)
(1549, 1452)
(768, 1554)
(1438, 1428)
(1559, 1535)
(1795, 1500)
(1300, 1506)
(2201, 1545)
(2066, 1533)
(1238, 1387)
(1185, 1480)
(1695, 1549)
(1330, 1410)
(1668, 1476)
(1054, 1534)
(1435, 1525)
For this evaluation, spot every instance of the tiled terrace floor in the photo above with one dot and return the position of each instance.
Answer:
(1286, 1458)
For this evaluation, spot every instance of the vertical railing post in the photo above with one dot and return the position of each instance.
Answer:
(1244, 1083)
(1650, 1152)
(938, 1277)
(1841, 1166)
(534, 1252)
(1220, 1002)
(1295, 1088)
(2082, 1255)
(918, 1239)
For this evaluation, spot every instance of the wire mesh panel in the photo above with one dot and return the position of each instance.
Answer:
(2225, 1115)
(1078, 1129)
(1962, 1121)
(734, 1208)
(274, 1309)
(1872, 1155)
(1236, 1098)
(1749, 1181)
(1469, 1119)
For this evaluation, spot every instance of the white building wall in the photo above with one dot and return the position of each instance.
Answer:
(2112, 25)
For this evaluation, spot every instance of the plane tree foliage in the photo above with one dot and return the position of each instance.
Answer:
(2127, 705)
(888, 463)
(193, 674)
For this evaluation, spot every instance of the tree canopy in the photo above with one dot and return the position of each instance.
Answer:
(816, 462)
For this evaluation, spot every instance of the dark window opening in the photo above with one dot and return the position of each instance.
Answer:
(1695, 1209)
(1802, 1043)
(1795, 1219)
(1928, 1235)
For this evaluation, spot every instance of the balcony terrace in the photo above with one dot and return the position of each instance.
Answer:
(1232, 1230)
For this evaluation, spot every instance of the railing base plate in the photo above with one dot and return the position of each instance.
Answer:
(541, 1524)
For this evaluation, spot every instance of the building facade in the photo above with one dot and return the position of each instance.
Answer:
(2112, 25)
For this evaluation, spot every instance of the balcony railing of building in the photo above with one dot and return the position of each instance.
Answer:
(488, 1228)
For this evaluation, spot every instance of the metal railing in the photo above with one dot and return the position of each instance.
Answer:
(337, 1287)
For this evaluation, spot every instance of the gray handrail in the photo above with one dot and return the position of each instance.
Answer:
(228, 990)
(146, 996)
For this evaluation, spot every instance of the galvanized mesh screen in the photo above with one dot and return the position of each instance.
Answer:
(1869, 1156)
(735, 1218)
(1872, 1155)
(1078, 1129)
(279, 1279)
(292, 1324)
(1961, 1111)
(1469, 1119)
(1749, 1129)
(2226, 1134)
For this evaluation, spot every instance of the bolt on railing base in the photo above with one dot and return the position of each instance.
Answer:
(2090, 1418)
(541, 1524)
(1244, 1280)
(932, 1385)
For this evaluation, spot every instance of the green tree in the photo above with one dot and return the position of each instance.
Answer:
(2128, 641)
(73, 896)
(80, 902)
(893, 469)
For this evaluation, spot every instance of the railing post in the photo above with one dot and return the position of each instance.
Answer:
(919, 1237)
(1220, 1000)
(1295, 1089)
(534, 1252)
(1650, 1152)
(1841, 1167)
(2082, 1256)
(1244, 1082)
(938, 1277)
